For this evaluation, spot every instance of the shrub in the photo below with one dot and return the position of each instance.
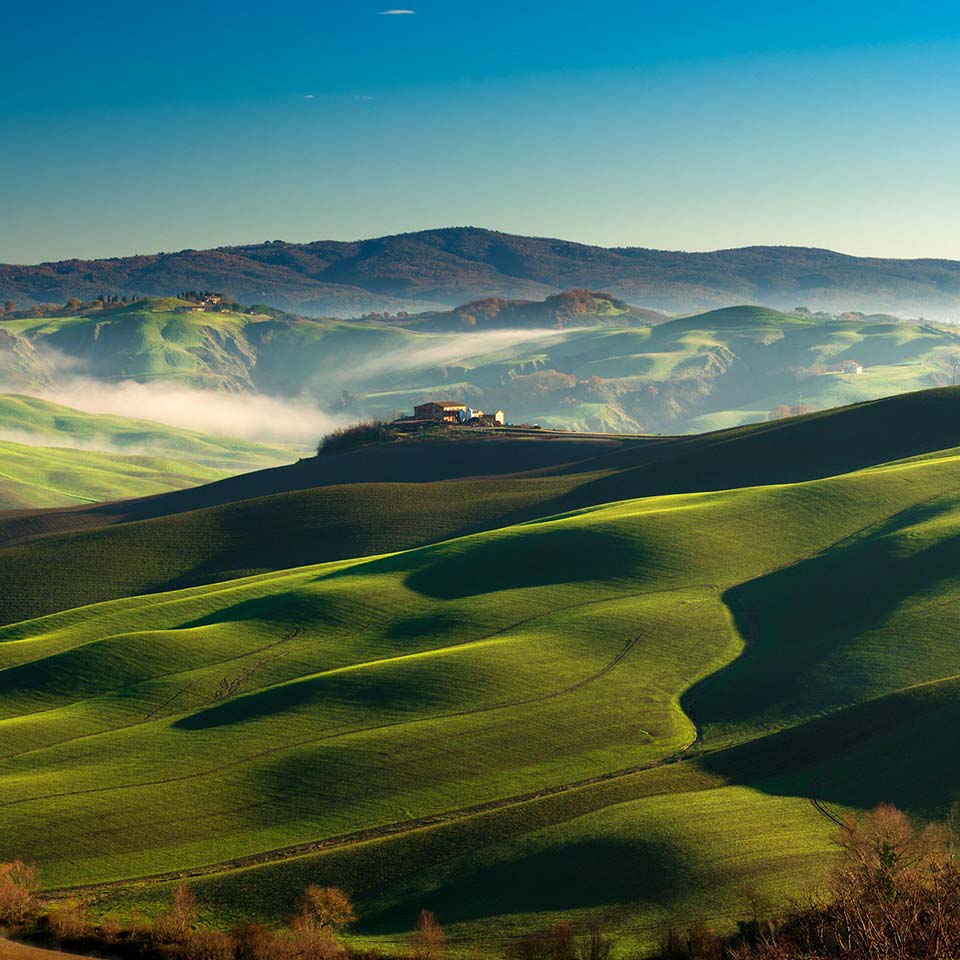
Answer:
(308, 943)
(69, 921)
(206, 945)
(19, 883)
(254, 941)
(347, 438)
(324, 907)
(172, 924)
(595, 944)
(895, 892)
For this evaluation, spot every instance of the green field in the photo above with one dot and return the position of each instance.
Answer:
(37, 421)
(614, 681)
(32, 477)
(52, 456)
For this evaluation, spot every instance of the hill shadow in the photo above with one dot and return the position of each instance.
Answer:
(289, 607)
(797, 620)
(528, 559)
(896, 749)
(587, 874)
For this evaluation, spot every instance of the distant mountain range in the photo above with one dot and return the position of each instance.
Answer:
(435, 269)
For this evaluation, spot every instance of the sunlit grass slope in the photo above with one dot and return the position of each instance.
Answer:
(33, 477)
(33, 420)
(351, 505)
(186, 729)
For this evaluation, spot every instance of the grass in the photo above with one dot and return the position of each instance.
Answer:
(181, 730)
(328, 508)
(720, 368)
(39, 422)
(32, 477)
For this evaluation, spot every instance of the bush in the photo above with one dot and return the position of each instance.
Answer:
(253, 941)
(324, 907)
(346, 438)
(172, 924)
(895, 893)
(70, 921)
(308, 943)
(19, 883)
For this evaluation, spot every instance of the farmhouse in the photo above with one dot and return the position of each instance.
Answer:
(477, 418)
(851, 366)
(446, 411)
(442, 411)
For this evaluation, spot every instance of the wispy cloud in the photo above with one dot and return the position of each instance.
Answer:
(308, 96)
(397, 13)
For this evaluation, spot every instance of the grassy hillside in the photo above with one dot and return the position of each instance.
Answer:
(381, 498)
(624, 705)
(36, 421)
(617, 374)
(33, 477)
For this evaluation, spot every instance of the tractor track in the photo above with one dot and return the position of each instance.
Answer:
(292, 852)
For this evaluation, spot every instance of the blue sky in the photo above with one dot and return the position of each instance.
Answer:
(683, 125)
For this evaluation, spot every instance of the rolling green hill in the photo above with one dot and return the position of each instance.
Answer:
(33, 477)
(621, 692)
(37, 421)
(619, 374)
(67, 457)
(382, 498)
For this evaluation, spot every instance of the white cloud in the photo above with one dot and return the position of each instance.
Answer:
(308, 96)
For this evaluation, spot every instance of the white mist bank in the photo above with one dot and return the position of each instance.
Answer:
(258, 418)
(440, 349)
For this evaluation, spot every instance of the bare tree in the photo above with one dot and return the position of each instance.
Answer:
(429, 940)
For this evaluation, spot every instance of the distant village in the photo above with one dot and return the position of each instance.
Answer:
(435, 412)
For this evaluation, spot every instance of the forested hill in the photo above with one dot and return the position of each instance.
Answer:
(441, 268)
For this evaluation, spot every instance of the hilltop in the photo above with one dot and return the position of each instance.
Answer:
(572, 308)
(386, 497)
(445, 267)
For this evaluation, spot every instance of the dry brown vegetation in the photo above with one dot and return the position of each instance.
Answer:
(19, 883)
(894, 894)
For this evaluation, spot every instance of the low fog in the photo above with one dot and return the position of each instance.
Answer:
(260, 418)
(438, 350)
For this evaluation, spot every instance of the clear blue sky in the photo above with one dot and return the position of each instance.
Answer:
(685, 124)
